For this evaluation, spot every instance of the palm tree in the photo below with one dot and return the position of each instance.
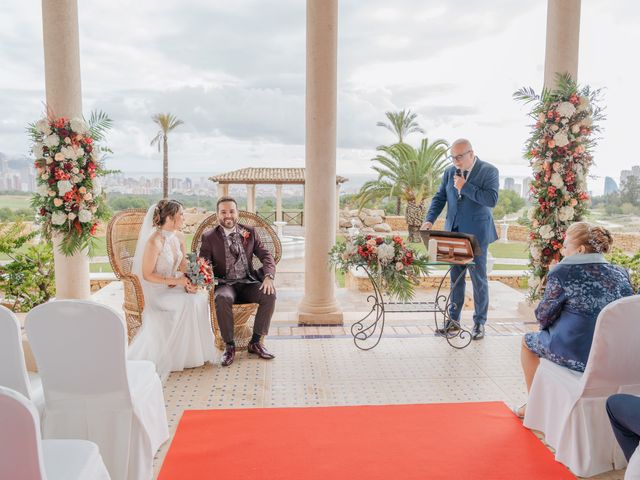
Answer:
(411, 174)
(167, 122)
(402, 124)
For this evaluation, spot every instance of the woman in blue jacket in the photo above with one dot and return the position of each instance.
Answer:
(577, 289)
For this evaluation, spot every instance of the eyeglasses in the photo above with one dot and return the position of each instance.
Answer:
(458, 157)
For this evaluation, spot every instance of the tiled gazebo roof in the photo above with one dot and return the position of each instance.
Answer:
(266, 175)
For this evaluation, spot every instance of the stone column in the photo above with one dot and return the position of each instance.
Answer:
(319, 305)
(278, 202)
(338, 206)
(223, 190)
(64, 99)
(563, 39)
(251, 197)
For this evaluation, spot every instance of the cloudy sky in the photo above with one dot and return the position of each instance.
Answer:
(234, 71)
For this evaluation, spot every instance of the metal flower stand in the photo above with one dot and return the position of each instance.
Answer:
(367, 332)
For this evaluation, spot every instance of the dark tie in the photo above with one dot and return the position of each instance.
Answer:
(234, 244)
(465, 173)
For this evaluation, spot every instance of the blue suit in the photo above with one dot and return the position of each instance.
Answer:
(470, 212)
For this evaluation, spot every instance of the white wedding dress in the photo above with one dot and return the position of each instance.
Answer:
(176, 326)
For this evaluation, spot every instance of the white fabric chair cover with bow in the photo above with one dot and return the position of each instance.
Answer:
(569, 407)
(13, 369)
(24, 456)
(633, 469)
(92, 391)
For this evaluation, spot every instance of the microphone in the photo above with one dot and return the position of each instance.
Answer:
(458, 174)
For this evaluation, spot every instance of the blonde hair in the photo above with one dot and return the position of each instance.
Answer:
(594, 238)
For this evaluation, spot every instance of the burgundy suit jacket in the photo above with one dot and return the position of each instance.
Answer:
(212, 249)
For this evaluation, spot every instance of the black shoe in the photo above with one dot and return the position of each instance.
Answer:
(228, 355)
(477, 333)
(449, 327)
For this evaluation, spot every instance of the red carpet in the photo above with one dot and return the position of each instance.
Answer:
(436, 441)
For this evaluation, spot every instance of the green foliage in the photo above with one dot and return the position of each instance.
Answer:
(11, 215)
(508, 202)
(401, 124)
(28, 279)
(630, 192)
(630, 262)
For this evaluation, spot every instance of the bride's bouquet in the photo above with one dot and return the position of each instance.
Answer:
(199, 272)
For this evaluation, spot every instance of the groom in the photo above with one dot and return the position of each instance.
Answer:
(230, 248)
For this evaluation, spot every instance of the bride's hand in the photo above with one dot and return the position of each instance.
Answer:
(182, 281)
(190, 288)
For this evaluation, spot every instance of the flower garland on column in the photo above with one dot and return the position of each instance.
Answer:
(559, 152)
(69, 199)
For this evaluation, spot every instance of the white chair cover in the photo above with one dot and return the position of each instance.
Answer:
(91, 391)
(13, 369)
(569, 407)
(633, 469)
(24, 456)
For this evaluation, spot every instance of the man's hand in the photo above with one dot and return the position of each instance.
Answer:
(426, 226)
(458, 182)
(267, 286)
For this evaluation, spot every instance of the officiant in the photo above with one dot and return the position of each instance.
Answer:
(230, 248)
(469, 189)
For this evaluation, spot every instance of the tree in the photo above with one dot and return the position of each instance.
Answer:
(167, 123)
(402, 124)
(410, 174)
(508, 202)
(630, 192)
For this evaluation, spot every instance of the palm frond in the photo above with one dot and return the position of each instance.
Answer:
(99, 123)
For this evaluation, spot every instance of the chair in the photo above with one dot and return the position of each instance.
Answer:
(92, 392)
(633, 469)
(243, 311)
(122, 235)
(13, 370)
(24, 456)
(569, 407)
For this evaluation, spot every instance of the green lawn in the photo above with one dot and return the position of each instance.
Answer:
(15, 202)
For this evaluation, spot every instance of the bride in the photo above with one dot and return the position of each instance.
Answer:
(176, 327)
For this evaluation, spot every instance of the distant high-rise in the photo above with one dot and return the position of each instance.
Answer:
(610, 186)
(509, 183)
(624, 174)
(526, 187)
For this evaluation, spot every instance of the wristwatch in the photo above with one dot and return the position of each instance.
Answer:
(270, 275)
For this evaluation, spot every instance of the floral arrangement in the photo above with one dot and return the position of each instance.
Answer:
(199, 271)
(69, 199)
(396, 267)
(245, 234)
(559, 152)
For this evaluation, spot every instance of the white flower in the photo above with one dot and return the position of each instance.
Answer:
(42, 126)
(546, 232)
(566, 214)
(97, 187)
(79, 126)
(587, 121)
(64, 186)
(52, 193)
(555, 127)
(535, 252)
(88, 197)
(37, 150)
(68, 153)
(557, 181)
(85, 216)
(58, 218)
(561, 139)
(531, 214)
(575, 128)
(566, 109)
(52, 141)
(583, 104)
(385, 253)
(59, 157)
(72, 216)
(534, 281)
(43, 190)
(399, 266)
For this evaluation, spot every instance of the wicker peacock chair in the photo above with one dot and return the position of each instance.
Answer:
(122, 235)
(244, 311)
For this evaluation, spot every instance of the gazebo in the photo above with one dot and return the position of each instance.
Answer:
(266, 176)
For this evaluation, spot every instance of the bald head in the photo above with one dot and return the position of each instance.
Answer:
(462, 154)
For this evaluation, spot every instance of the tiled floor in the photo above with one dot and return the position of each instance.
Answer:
(323, 370)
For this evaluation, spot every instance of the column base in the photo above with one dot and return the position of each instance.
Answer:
(331, 318)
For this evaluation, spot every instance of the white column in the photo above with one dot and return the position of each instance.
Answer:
(563, 39)
(319, 304)
(278, 202)
(251, 197)
(64, 99)
(223, 190)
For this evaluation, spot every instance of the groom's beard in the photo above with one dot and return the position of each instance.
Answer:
(229, 222)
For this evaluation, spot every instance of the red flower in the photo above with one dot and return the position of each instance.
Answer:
(94, 227)
(379, 241)
(583, 196)
(546, 251)
(397, 239)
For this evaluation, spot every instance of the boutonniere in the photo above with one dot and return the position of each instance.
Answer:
(245, 235)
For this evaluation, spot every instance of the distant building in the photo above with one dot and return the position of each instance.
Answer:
(526, 187)
(610, 186)
(624, 174)
(509, 183)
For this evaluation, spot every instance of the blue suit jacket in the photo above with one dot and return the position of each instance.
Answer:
(471, 213)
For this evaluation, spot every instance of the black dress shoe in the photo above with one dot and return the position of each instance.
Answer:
(228, 355)
(450, 326)
(258, 349)
(477, 332)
